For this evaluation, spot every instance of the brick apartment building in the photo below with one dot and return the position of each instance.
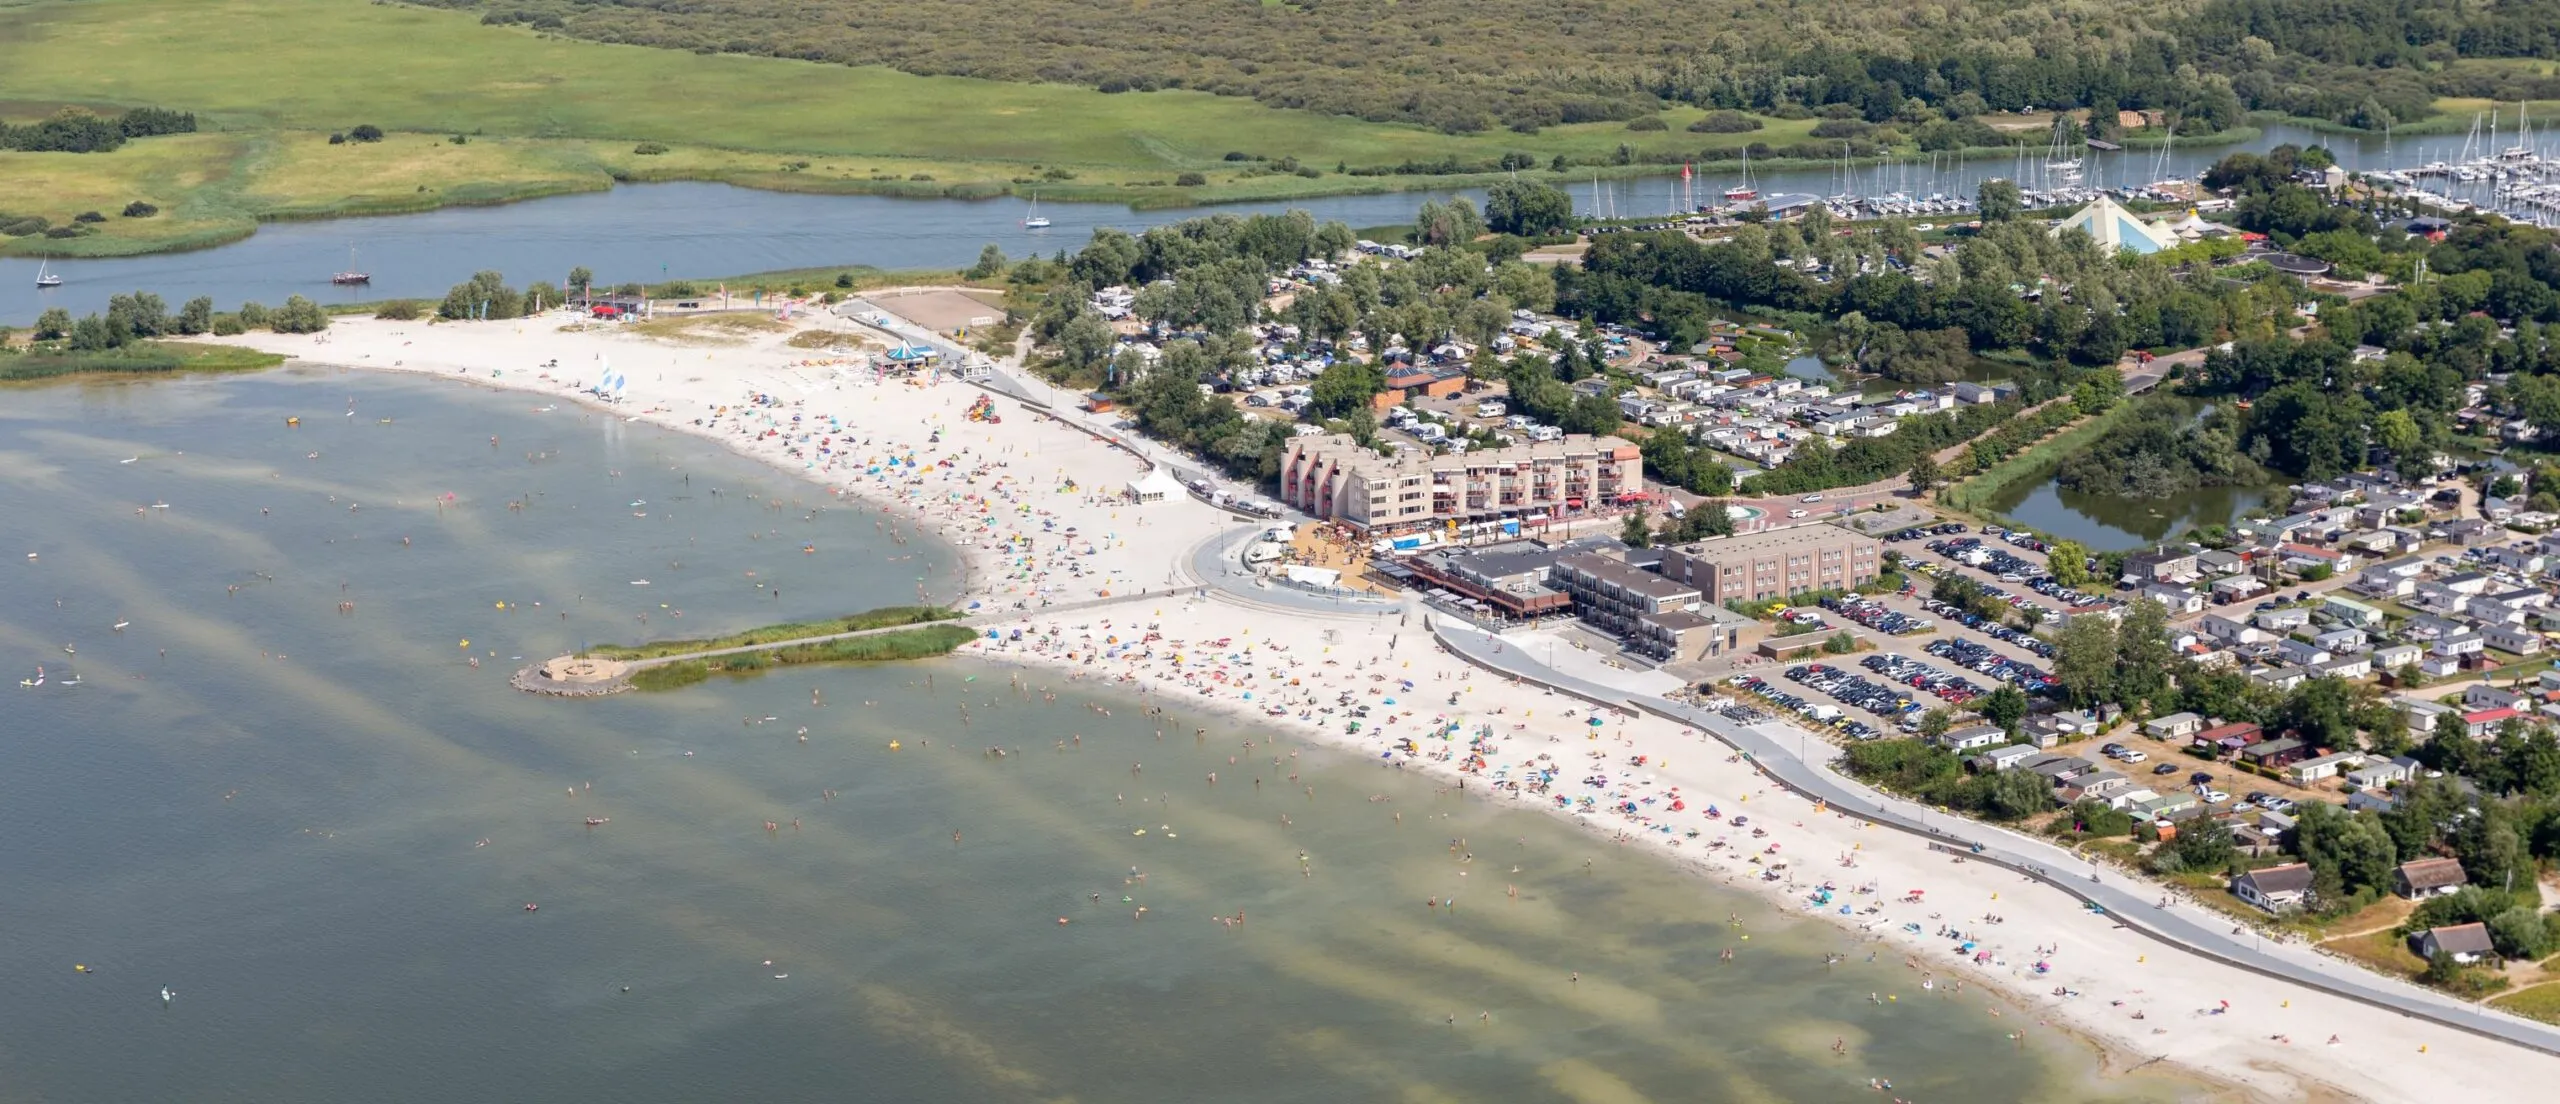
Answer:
(1330, 476)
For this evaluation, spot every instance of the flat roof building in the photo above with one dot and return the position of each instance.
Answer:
(1775, 563)
(1334, 478)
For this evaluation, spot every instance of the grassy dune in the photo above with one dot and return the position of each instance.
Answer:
(922, 642)
(869, 619)
(271, 79)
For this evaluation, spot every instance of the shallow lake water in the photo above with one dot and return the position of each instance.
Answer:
(321, 829)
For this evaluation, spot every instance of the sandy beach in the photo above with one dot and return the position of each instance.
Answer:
(1035, 509)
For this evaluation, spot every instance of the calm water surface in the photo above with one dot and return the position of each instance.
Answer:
(321, 829)
(650, 231)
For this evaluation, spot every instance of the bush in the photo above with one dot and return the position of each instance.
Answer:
(19, 226)
(139, 209)
(298, 316)
(398, 310)
(366, 132)
(649, 149)
(1725, 122)
(1790, 112)
(228, 325)
(337, 139)
(66, 231)
(88, 216)
(1190, 180)
(1841, 128)
(1647, 122)
(923, 177)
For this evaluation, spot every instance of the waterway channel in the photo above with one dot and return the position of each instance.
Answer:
(652, 231)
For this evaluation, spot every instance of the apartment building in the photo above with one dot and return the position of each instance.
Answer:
(1330, 476)
(1775, 563)
(1655, 616)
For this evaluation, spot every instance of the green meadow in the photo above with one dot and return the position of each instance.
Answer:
(272, 79)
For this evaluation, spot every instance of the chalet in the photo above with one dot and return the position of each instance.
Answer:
(2281, 678)
(2275, 888)
(2509, 638)
(2483, 723)
(2343, 667)
(2422, 878)
(2218, 562)
(2160, 565)
(2282, 620)
(2226, 739)
(1972, 736)
(2237, 588)
(2392, 657)
(2309, 771)
(2296, 651)
(2179, 600)
(2229, 631)
(2175, 726)
(2003, 758)
(2375, 775)
(2352, 612)
(2465, 943)
(2272, 754)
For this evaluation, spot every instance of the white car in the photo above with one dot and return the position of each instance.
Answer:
(2132, 756)
(2214, 797)
(1811, 498)
(1795, 513)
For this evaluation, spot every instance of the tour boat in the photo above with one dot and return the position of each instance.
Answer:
(45, 278)
(352, 275)
(1035, 220)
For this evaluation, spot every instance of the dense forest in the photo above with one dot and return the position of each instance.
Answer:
(1471, 65)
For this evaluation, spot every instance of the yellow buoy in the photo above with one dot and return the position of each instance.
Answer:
(893, 745)
(464, 644)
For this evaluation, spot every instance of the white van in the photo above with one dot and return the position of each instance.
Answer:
(1795, 513)
(1490, 408)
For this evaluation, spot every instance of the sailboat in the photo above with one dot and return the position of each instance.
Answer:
(45, 277)
(1035, 220)
(352, 275)
(1743, 192)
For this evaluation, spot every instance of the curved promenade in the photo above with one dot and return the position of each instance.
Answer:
(1782, 752)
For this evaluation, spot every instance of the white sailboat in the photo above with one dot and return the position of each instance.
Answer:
(1035, 220)
(45, 277)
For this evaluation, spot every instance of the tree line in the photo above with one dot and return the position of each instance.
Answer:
(72, 130)
(130, 320)
(1466, 67)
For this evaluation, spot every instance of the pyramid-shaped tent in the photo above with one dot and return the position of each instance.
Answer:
(2113, 227)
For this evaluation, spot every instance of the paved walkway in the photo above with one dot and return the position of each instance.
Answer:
(1784, 752)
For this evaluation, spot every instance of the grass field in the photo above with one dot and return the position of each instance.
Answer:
(2542, 1002)
(271, 79)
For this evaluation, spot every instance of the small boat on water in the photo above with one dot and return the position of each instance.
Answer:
(36, 681)
(594, 821)
(352, 275)
(45, 277)
(1035, 220)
